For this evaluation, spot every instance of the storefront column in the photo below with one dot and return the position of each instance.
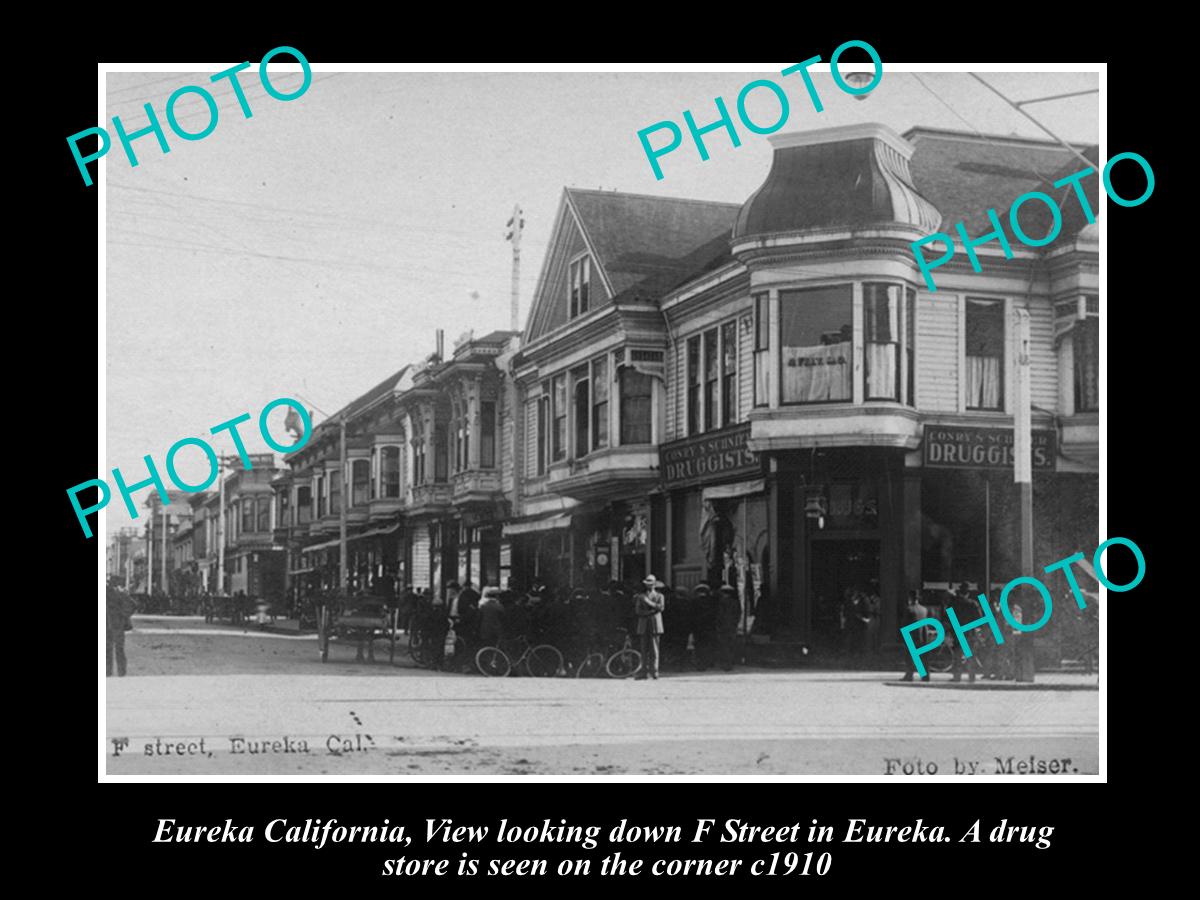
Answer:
(911, 523)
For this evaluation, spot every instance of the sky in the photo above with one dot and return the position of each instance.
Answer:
(314, 249)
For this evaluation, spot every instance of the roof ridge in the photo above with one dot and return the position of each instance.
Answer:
(983, 136)
(615, 193)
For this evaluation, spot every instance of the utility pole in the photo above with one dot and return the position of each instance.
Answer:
(516, 225)
(166, 518)
(220, 525)
(1023, 475)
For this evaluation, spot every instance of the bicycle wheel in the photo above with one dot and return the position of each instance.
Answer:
(543, 661)
(940, 659)
(493, 662)
(624, 663)
(591, 667)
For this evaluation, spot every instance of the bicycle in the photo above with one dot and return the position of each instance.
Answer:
(538, 661)
(626, 662)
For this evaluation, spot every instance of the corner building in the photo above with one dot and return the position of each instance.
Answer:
(832, 425)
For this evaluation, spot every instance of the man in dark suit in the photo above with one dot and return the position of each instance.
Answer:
(915, 612)
(648, 606)
(119, 609)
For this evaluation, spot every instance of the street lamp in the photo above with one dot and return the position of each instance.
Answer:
(860, 80)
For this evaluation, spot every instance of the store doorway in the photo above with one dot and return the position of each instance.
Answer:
(837, 569)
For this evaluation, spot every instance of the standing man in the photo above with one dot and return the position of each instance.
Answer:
(915, 612)
(648, 605)
(117, 619)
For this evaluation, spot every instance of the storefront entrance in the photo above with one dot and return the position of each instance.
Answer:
(838, 567)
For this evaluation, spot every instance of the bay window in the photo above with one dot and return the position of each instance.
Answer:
(762, 343)
(816, 344)
(583, 409)
(881, 340)
(985, 353)
(487, 434)
(635, 407)
(360, 482)
(599, 403)
(1086, 339)
(304, 500)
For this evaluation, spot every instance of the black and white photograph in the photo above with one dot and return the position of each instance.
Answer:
(635, 422)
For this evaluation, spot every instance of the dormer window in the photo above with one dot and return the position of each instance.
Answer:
(581, 278)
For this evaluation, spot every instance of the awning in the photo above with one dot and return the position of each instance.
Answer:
(738, 489)
(374, 532)
(542, 523)
(322, 546)
(301, 571)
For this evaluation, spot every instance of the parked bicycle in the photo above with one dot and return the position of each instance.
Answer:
(538, 661)
(622, 662)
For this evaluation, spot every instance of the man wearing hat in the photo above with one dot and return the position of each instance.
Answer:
(648, 605)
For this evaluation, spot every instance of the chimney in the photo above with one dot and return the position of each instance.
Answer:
(441, 344)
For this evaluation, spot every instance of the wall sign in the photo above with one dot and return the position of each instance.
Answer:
(968, 447)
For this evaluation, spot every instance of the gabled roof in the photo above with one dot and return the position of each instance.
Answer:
(645, 244)
(640, 245)
(965, 175)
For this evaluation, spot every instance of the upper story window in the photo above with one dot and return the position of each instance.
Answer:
(762, 343)
(543, 435)
(303, 505)
(247, 514)
(580, 280)
(389, 471)
(816, 336)
(712, 378)
(558, 411)
(321, 488)
(599, 403)
(335, 492)
(636, 406)
(881, 341)
(487, 434)
(441, 452)
(264, 514)
(282, 516)
(985, 353)
(418, 446)
(1077, 325)
(360, 482)
(581, 394)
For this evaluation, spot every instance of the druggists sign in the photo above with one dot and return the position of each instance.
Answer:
(715, 456)
(965, 447)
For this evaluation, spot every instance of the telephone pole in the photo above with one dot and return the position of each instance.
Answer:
(516, 225)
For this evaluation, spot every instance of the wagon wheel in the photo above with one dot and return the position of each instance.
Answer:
(323, 632)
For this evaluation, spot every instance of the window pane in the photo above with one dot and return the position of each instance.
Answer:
(542, 424)
(985, 354)
(762, 322)
(487, 434)
(560, 416)
(583, 410)
(910, 301)
(390, 474)
(635, 407)
(816, 336)
(585, 279)
(600, 403)
(881, 334)
(693, 385)
(728, 372)
(360, 471)
(711, 368)
(1087, 365)
(247, 505)
(441, 452)
(264, 514)
(335, 491)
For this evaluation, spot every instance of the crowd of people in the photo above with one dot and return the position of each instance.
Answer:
(1011, 660)
(688, 629)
